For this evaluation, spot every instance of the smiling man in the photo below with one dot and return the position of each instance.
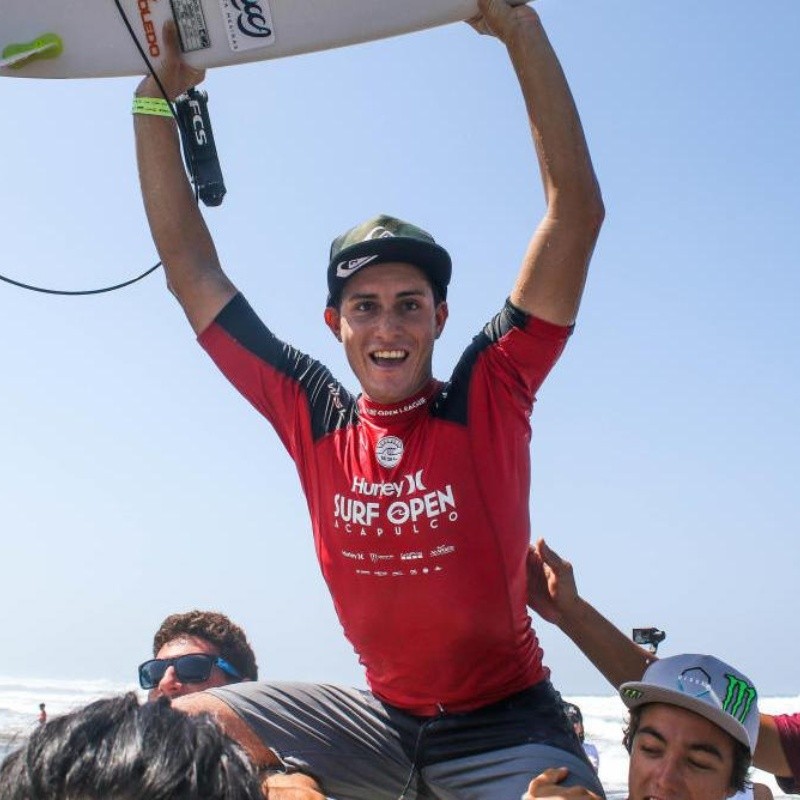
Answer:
(418, 489)
(693, 729)
(553, 593)
(691, 735)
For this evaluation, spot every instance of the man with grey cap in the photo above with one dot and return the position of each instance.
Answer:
(691, 734)
(553, 593)
(418, 489)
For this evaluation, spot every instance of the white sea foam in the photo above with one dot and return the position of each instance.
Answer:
(604, 718)
(20, 698)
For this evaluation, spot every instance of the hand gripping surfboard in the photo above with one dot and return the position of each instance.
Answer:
(89, 38)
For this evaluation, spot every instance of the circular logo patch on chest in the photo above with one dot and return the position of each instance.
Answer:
(389, 451)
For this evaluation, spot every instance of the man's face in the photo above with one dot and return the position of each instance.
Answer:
(388, 321)
(679, 755)
(169, 685)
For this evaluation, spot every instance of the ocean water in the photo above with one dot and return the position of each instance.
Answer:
(603, 717)
(20, 698)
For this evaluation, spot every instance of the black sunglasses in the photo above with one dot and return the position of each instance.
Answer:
(191, 668)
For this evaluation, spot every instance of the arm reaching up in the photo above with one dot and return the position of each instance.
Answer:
(553, 273)
(184, 245)
(553, 595)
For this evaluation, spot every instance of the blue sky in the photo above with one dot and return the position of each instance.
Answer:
(135, 482)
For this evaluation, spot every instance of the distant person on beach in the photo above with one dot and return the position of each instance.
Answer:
(42, 714)
(418, 489)
(553, 594)
(691, 734)
(198, 650)
(116, 748)
(575, 716)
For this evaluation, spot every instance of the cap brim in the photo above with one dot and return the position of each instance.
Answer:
(647, 693)
(430, 257)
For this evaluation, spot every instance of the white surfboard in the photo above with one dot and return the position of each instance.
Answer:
(89, 38)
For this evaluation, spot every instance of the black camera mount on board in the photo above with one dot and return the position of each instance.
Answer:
(199, 149)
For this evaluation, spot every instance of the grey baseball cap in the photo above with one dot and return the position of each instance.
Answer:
(385, 239)
(705, 685)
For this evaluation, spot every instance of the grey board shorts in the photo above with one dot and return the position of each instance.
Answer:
(359, 748)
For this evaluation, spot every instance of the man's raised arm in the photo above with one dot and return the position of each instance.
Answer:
(184, 245)
(553, 273)
(553, 595)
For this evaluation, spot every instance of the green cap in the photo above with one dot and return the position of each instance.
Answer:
(385, 239)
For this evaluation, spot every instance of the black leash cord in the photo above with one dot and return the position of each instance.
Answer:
(75, 292)
(115, 287)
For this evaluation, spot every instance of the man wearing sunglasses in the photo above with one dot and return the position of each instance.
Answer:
(197, 650)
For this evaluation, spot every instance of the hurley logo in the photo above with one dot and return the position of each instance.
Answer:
(346, 268)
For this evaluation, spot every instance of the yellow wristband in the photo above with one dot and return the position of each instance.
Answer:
(155, 106)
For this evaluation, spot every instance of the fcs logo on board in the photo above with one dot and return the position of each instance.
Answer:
(389, 451)
(344, 269)
(197, 123)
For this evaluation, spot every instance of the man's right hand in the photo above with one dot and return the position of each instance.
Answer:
(184, 244)
(290, 786)
(552, 592)
(547, 784)
(173, 72)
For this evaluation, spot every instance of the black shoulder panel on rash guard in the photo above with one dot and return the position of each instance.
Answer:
(452, 402)
(331, 406)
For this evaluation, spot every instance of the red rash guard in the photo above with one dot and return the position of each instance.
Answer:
(419, 509)
(789, 731)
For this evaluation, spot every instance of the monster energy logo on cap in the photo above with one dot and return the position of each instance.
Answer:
(704, 685)
(739, 698)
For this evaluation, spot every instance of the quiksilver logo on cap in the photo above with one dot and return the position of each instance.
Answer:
(379, 233)
(344, 269)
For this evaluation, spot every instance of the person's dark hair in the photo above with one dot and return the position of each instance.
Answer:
(741, 754)
(574, 717)
(117, 749)
(573, 712)
(216, 629)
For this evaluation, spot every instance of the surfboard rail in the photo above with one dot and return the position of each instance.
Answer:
(94, 40)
